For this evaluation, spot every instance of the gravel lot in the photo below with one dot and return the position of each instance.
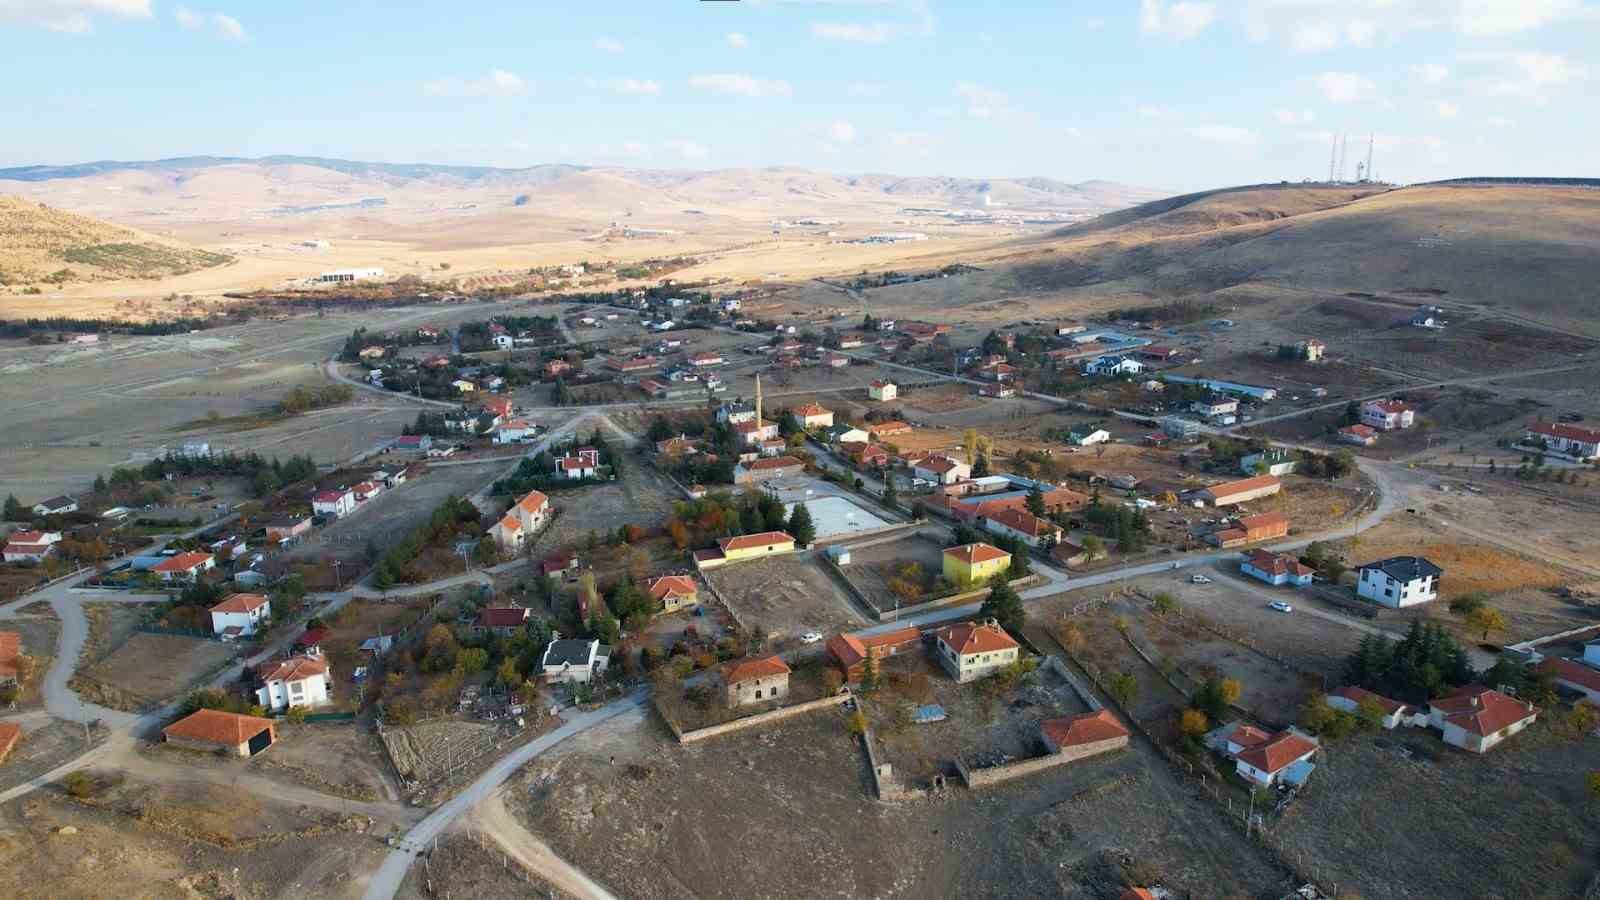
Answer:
(787, 596)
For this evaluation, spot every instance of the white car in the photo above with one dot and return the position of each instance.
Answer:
(1280, 606)
(810, 637)
(1199, 579)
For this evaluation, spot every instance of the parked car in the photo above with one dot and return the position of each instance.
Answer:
(1280, 606)
(1199, 579)
(810, 637)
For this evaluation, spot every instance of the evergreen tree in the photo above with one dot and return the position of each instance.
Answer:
(1004, 605)
(801, 526)
(99, 484)
(980, 468)
(891, 494)
(14, 510)
(1021, 564)
(750, 520)
(1036, 502)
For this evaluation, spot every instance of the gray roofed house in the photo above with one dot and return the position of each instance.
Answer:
(1399, 581)
(55, 505)
(574, 660)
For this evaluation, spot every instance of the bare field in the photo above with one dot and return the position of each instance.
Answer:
(787, 596)
(1380, 825)
(642, 496)
(803, 787)
(149, 669)
(178, 841)
(872, 567)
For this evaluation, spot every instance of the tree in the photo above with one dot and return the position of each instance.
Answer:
(969, 443)
(99, 484)
(1485, 619)
(1003, 605)
(1593, 781)
(1093, 547)
(891, 494)
(473, 660)
(801, 527)
(1036, 502)
(1231, 689)
(1164, 603)
(869, 674)
(1021, 562)
(1193, 722)
(1123, 688)
(14, 510)
(856, 724)
(1467, 603)
(980, 468)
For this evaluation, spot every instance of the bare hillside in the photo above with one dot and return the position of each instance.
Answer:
(1524, 250)
(38, 243)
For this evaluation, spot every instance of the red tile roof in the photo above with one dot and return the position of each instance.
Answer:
(1491, 711)
(10, 649)
(1278, 563)
(972, 637)
(748, 541)
(850, 649)
(1248, 736)
(735, 671)
(893, 427)
(10, 733)
(181, 562)
(533, 502)
(1023, 521)
(501, 617)
(218, 727)
(1389, 407)
(295, 668)
(573, 464)
(1243, 485)
(1364, 431)
(1569, 432)
(328, 496)
(940, 464)
(1574, 672)
(1278, 752)
(1086, 728)
(673, 586)
(811, 409)
(240, 603)
(1359, 695)
(775, 462)
(510, 523)
(972, 554)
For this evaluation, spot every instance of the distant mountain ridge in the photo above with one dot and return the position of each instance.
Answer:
(346, 166)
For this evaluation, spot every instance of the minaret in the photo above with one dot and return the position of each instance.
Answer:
(758, 402)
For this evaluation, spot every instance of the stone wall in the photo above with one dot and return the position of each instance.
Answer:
(776, 715)
(993, 775)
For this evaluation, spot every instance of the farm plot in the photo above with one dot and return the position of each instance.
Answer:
(44, 747)
(149, 669)
(1380, 823)
(427, 752)
(641, 497)
(387, 518)
(39, 645)
(887, 573)
(987, 722)
(788, 596)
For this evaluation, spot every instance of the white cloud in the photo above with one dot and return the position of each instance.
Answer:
(71, 16)
(864, 89)
(688, 150)
(742, 85)
(1318, 25)
(1160, 114)
(737, 40)
(224, 26)
(1443, 109)
(1227, 135)
(1175, 21)
(859, 33)
(840, 131)
(608, 44)
(497, 83)
(1346, 87)
(636, 86)
(1431, 73)
(983, 102)
(1294, 117)
(1496, 122)
(1528, 76)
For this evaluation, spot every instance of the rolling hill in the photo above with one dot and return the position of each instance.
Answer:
(1527, 249)
(41, 244)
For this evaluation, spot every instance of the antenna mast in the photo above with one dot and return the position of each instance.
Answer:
(1333, 158)
(1371, 138)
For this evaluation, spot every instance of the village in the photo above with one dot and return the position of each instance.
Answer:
(1233, 565)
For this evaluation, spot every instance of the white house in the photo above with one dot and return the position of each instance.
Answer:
(504, 341)
(1215, 406)
(1276, 759)
(294, 682)
(584, 463)
(848, 434)
(515, 431)
(1574, 676)
(337, 503)
(1581, 444)
(238, 615)
(184, 566)
(736, 413)
(1349, 699)
(31, 546)
(1476, 718)
(813, 415)
(1399, 581)
(572, 660)
(883, 390)
(941, 470)
(1113, 364)
(972, 650)
(1386, 415)
(55, 506)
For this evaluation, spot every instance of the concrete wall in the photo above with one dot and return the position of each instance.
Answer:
(993, 775)
(208, 746)
(776, 715)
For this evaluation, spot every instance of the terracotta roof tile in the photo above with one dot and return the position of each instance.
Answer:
(972, 637)
(973, 554)
(747, 541)
(735, 671)
(1283, 748)
(295, 668)
(218, 727)
(1086, 728)
(240, 603)
(181, 562)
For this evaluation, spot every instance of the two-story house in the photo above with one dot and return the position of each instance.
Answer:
(973, 650)
(1399, 581)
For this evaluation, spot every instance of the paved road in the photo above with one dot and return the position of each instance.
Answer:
(386, 881)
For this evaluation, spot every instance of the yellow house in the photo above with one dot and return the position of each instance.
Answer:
(971, 563)
(745, 546)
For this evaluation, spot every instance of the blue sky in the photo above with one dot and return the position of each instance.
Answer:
(1184, 94)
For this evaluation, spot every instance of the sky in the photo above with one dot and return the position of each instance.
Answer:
(1174, 94)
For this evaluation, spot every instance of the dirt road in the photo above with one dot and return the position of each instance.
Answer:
(493, 819)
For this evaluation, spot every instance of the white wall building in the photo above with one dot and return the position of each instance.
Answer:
(1399, 581)
(294, 682)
